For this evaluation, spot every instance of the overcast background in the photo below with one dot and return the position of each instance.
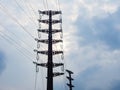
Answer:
(91, 44)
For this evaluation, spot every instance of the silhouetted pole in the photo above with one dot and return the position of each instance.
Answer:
(50, 41)
(70, 79)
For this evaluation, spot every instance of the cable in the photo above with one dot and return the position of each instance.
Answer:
(29, 5)
(24, 12)
(36, 74)
(56, 5)
(16, 43)
(17, 48)
(14, 19)
(59, 5)
(15, 35)
(47, 4)
(44, 5)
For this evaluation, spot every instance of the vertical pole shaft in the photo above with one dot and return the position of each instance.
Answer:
(50, 56)
(70, 82)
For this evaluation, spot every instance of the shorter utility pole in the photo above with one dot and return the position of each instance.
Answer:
(70, 79)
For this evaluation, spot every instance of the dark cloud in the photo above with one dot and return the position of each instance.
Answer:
(2, 62)
(100, 29)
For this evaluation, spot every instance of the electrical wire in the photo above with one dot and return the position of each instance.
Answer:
(16, 42)
(25, 12)
(36, 76)
(20, 40)
(4, 9)
(29, 5)
(44, 5)
(59, 6)
(56, 5)
(16, 47)
(47, 4)
(14, 19)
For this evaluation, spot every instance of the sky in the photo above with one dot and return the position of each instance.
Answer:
(91, 34)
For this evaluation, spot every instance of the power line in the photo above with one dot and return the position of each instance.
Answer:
(16, 48)
(44, 5)
(47, 4)
(15, 36)
(59, 5)
(29, 5)
(36, 80)
(14, 19)
(16, 42)
(24, 11)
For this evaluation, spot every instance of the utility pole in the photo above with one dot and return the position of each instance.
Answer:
(70, 79)
(50, 41)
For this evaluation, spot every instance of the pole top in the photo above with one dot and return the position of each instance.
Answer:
(69, 71)
(47, 12)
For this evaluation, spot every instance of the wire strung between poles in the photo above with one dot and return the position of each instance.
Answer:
(4, 9)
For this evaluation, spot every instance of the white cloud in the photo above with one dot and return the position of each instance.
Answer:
(78, 57)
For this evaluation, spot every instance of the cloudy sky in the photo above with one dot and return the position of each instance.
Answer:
(91, 44)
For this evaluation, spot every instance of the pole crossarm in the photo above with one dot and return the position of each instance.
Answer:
(54, 41)
(53, 21)
(47, 52)
(47, 31)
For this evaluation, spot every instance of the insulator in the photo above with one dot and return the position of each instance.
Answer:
(60, 16)
(37, 57)
(38, 45)
(37, 69)
(39, 26)
(61, 46)
(40, 16)
(60, 26)
(39, 35)
(62, 68)
(62, 56)
(61, 35)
